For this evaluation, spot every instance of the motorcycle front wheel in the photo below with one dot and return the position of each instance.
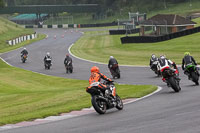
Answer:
(119, 105)
(99, 105)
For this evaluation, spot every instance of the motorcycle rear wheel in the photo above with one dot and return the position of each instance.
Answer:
(174, 84)
(99, 105)
(23, 60)
(195, 78)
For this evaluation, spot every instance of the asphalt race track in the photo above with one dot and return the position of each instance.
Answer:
(164, 112)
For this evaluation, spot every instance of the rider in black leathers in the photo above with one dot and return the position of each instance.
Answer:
(152, 60)
(47, 57)
(68, 61)
(188, 60)
(112, 64)
(24, 51)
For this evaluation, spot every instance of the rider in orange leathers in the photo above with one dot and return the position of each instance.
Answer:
(96, 76)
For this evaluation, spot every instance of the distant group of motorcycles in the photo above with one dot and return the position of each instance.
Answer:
(48, 61)
(170, 73)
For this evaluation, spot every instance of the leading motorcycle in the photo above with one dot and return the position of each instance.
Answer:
(24, 58)
(104, 100)
(172, 79)
(47, 63)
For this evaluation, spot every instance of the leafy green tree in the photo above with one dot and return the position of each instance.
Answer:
(1, 3)
(115, 5)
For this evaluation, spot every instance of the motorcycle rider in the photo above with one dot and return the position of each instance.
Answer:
(47, 57)
(188, 60)
(68, 61)
(164, 63)
(152, 60)
(24, 52)
(96, 76)
(112, 64)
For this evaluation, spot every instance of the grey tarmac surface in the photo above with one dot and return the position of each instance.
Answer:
(164, 112)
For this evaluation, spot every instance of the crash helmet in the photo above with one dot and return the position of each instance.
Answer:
(111, 57)
(153, 56)
(24, 48)
(48, 54)
(162, 57)
(67, 55)
(94, 69)
(186, 53)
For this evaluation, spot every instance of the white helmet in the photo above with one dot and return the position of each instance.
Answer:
(162, 57)
(111, 57)
(153, 56)
(48, 54)
(24, 48)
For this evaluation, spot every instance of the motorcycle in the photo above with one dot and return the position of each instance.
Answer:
(193, 73)
(24, 58)
(172, 79)
(101, 101)
(154, 67)
(47, 63)
(115, 72)
(69, 68)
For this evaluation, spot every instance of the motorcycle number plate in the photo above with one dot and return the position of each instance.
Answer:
(95, 84)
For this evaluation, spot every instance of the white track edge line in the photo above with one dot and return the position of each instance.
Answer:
(69, 50)
(67, 116)
(138, 99)
(5, 62)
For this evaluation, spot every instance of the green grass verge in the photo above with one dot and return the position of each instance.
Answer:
(8, 47)
(25, 95)
(9, 30)
(181, 8)
(98, 46)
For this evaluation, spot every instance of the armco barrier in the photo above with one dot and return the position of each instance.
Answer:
(98, 25)
(123, 31)
(21, 39)
(153, 39)
(72, 25)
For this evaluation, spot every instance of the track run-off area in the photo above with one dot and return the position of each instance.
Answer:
(164, 112)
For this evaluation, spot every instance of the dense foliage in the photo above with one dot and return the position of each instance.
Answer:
(137, 5)
(1, 3)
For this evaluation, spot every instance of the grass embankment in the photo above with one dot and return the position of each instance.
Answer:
(10, 30)
(25, 95)
(181, 8)
(96, 46)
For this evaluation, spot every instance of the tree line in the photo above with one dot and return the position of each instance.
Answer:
(137, 5)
